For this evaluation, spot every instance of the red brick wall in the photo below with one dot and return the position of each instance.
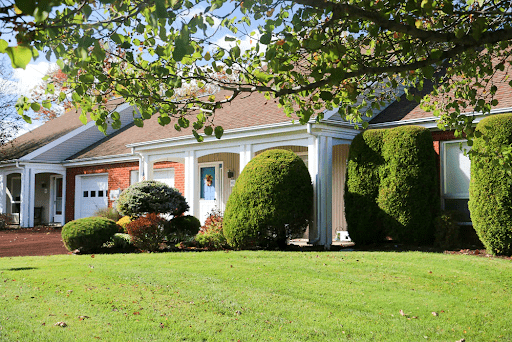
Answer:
(118, 178)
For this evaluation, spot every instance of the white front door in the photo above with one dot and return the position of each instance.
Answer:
(210, 189)
(93, 195)
(56, 198)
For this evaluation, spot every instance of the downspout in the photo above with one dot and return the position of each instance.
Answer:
(309, 130)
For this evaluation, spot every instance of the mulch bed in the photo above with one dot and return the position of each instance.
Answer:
(42, 240)
(35, 241)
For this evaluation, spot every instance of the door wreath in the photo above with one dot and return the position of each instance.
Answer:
(209, 180)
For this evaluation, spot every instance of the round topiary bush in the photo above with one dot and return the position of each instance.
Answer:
(363, 215)
(88, 234)
(182, 227)
(271, 201)
(490, 189)
(151, 197)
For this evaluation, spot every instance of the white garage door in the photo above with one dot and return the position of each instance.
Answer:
(162, 175)
(93, 194)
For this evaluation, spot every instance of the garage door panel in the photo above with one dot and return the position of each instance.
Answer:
(94, 194)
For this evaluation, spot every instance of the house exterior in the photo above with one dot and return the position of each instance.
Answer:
(64, 170)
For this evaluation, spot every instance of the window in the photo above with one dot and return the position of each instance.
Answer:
(86, 193)
(134, 176)
(100, 193)
(455, 175)
(93, 193)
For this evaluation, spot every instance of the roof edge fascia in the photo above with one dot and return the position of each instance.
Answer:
(431, 122)
(228, 134)
(120, 158)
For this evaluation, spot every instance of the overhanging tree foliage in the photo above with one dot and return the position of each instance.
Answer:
(310, 54)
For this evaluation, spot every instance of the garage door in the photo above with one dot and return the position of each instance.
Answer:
(93, 194)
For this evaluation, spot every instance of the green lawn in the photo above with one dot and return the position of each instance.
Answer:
(256, 296)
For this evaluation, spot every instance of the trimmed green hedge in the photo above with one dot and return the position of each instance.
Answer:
(272, 201)
(362, 188)
(88, 234)
(391, 186)
(490, 189)
(408, 192)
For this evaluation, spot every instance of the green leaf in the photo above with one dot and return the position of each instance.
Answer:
(138, 122)
(219, 131)
(266, 38)
(208, 130)
(197, 136)
(26, 6)
(35, 106)
(20, 56)
(164, 120)
(3, 45)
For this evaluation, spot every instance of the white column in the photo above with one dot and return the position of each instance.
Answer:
(191, 183)
(3, 193)
(313, 172)
(320, 167)
(145, 168)
(64, 198)
(25, 198)
(246, 154)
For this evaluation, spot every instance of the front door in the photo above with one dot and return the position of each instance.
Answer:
(209, 190)
(57, 190)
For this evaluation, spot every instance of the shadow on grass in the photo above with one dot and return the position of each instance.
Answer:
(22, 268)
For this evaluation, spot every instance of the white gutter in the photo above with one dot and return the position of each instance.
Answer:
(431, 122)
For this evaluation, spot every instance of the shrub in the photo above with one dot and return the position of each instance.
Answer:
(123, 221)
(447, 230)
(151, 197)
(408, 185)
(5, 221)
(88, 234)
(211, 234)
(122, 240)
(363, 215)
(490, 189)
(146, 232)
(390, 187)
(181, 228)
(109, 212)
(271, 201)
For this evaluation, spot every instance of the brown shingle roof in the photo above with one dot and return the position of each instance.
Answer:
(408, 110)
(245, 111)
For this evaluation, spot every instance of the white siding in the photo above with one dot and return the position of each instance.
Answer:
(81, 140)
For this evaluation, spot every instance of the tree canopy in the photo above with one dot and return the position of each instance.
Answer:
(353, 56)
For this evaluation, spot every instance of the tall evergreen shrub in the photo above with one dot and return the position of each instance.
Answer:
(490, 189)
(408, 189)
(272, 201)
(391, 186)
(362, 188)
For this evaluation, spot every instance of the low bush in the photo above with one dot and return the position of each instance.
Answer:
(151, 197)
(123, 221)
(122, 240)
(146, 232)
(211, 235)
(272, 201)
(447, 229)
(181, 228)
(109, 212)
(5, 221)
(88, 234)
(490, 189)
